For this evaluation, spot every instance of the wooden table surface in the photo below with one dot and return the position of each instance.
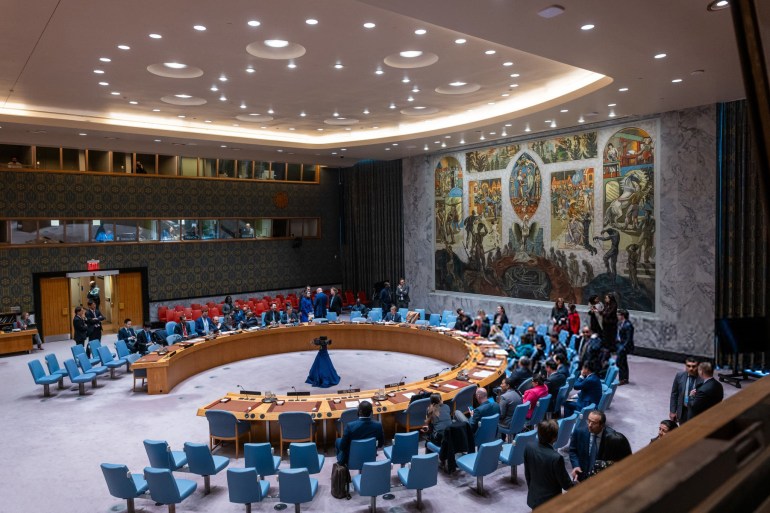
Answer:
(17, 341)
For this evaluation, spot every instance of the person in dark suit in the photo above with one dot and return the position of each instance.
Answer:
(508, 400)
(127, 333)
(402, 294)
(684, 383)
(522, 372)
(94, 294)
(204, 325)
(554, 380)
(544, 468)
(708, 393)
(290, 316)
(590, 390)
(143, 340)
(386, 298)
(587, 444)
(94, 319)
(624, 346)
(486, 408)
(181, 328)
(393, 315)
(359, 307)
(335, 302)
(80, 326)
(463, 321)
(272, 316)
(319, 304)
(251, 321)
(359, 429)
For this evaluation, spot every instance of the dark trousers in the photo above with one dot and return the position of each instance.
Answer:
(622, 362)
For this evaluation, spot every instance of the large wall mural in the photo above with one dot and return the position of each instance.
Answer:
(576, 221)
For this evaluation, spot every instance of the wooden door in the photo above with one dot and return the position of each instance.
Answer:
(55, 312)
(130, 300)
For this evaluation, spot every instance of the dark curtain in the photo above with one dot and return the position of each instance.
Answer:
(372, 231)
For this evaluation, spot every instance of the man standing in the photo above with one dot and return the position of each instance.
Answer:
(80, 326)
(587, 444)
(319, 304)
(508, 400)
(402, 294)
(684, 383)
(204, 326)
(708, 393)
(94, 319)
(359, 429)
(625, 345)
(335, 302)
(486, 408)
(544, 468)
(386, 298)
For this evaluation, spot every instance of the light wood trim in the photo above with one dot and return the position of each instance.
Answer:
(130, 299)
(17, 341)
(55, 306)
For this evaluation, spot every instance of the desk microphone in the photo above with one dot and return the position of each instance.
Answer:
(350, 391)
(442, 370)
(296, 397)
(240, 388)
(403, 380)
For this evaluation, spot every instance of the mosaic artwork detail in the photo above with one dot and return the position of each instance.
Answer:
(566, 148)
(490, 159)
(526, 186)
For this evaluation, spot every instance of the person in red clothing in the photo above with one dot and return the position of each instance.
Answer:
(573, 320)
(537, 391)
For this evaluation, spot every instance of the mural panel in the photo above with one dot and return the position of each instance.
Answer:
(572, 207)
(525, 187)
(566, 148)
(449, 200)
(490, 159)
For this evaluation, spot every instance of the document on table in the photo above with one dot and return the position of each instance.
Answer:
(449, 386)
(493, 363)
(408, 395)
(351, 404)
(482, 374)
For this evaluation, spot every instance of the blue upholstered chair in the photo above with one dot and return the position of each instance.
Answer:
(359, 319)
(331, 316)
(348, 415)
(421, 474)
(123, 352)
(403, 312)
(85, 365)
(527, 324)
(77, 378)
(94, 345)
(518, 420)
(524, 385)
(561, 396)
(244, 486)
(354, 314)
(161, 455)
(463, 399)
(609, 379)
(109, 362)
(124, 485)
(200, 461)
(153, 348)
(614, 388)
(78, 349)
(563, 336)
(170, 327)
(373, 480)
(420, 311)
(375, 314)
(444, 315)
(224, 426)
(295, 486)
(507, 328)
(414, 415)
(435, 319)
(191, 328)
(481, 463)
(542, 329)
(487, 430)
(566, 426)
(53, 368)
(422, 322)
(513, 454)
(295, 426)
(583, 417)
(540, 410)
(450, 321)
(305, 455)
(321, 320)
(604, 401)
(166, 489)
(405, 445)
(362, 451)
(41, 378)
(173, 339)
(260, 457)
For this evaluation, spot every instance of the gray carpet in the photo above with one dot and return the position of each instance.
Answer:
(53, 446)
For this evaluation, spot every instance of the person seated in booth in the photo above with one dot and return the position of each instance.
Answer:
(204, 325)
(486, 408)
(24, 323)
(393, 315)
(272, 316)
(463, 321)
(14, 164)
(361, 429)
(143, 340)
(359, 307)
(127, 333)
(181, 327)
(290, 316)
(247, 232)
(589, 389)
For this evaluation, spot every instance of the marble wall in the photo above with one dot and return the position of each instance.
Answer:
(682, 322)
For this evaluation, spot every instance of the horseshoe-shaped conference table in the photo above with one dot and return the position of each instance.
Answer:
(471, 360)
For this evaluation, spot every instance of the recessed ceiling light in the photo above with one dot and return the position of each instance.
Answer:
(514, 85)
(717, 5)
(462, 141)
(660, 55)
(379, 72)
(490, 103)
(243, 105)
(394, 144)
(581, 120)
(82, 133)
(508, 63)
(115, 93)
(182, 116)
(311, 21)
(199, 28)
(291, 65)
(460, 41)
(156, 110)
(492, 133)
(338, 66)
(375, 127)
(410, 99)
(369, 25)
(277, 43)
(527, 129)
(564, 110)
(553, 124)
(223, 78)
(447, 137)
(175, 65)
(207, 121)
(420, 32)
(253, 23)
(505, 95)
(105, 59)
(410, 54)
(405, 80)
(124, 47)
(292, 128)
(611, 104)
(457, 84)
(223, 98)
(214, 88)
(587, 27)
(104, 83)
(547, 121)
(482, 138)
(504, 134)
(223, 146)
(133, 102)
(420, 107)
(393, 106)
(676, 80)
(99, 71)
(302, 114)
(250, 70)
(156, 36)
(183, 96)
(270, 111)
(336, 114)
(280, 151)
(426, 148)
(490, 52)
(415, 89)
(366, 111)
(157, 140)
(612, 114)
(515, 75)
(623, 89)
(320, 129)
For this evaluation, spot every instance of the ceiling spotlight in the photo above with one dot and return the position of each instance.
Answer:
(82, 133)
(156, 36)
(460, 41)
(426, 148)
(369, 25)
(157, 140)
(612, 114)
(291, 65)
(504, 133)
(482, 138)
(379, 72)
(415, 89)
(223, 78)
(105, 59)
(462, 141)
(99, 71)
(277, 43)
(183, 96)
(457, 84)
(405, 80)
(581, 120)
(338, 66)
(676, 80)
(623, 89)
(336, 114)
(292, 128)
(515, 75)
(302, 114)
(270, 111)
(564, 110)
(320, 129)
(505, 95)
(254, 23)
(420, 32)
(553, 124)
(387, 149)
(104, 83)
(214, 88)
(611, 104)
(115, 93)
(199, 28)
(508, 63)
(366, 111)
(182, 116)
(717, 5)
(311, 21)
(250, 70)
(443, 145)
(410, 99)
(527, 129)
(392, 106)
(513, 85)
(223, 98)
(133, 102)
(243, 105)
(156, 110)
(660, 56)
(223, 146)
(587, 27)
(419, 108)
(410, 54)
(490, 52)
(175, 65)
(124, 47)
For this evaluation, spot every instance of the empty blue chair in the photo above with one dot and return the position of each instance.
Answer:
(86, 366)
(435, 319)
(604, 401)
(41, 378)
(572, 342)
(362, 451)
(53, 368)
(124, 485)
(295, 426)
(481, 463)
(161, 456)
(422, 322)
(414, 415)
(223, 425)
(320, 320)
(354, 314)
(513, 454)
(305, 455)
(170, 327)
(518, 420)
(78, 349)
(444, 315)
(609, 379)
(464, 398)
(295, 486)
(540, 410)
(563, 336)
(507, 327)
(420, 311)
(375, 315)
(244, 486)
(566, 426)
(77, 378)
(331, 316)
(542, 329)
(109, 362)
(614, 389)
(166, 489)
(173, 339)
(403, 312)
(405, 445)
(94, 345)
(123, 352)
(518, 331)
(373, 480)
(561, 396)
(450, 321)
(359, 319)
(191, 328)
(153, 348)
(260, 457)
(200, 461)
(487, 430)
(527, 324)
(421, 474)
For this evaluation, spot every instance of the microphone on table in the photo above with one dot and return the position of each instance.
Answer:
(403, 380)
(442, 370)
(350, 390)
(296, 398)
(240, 388)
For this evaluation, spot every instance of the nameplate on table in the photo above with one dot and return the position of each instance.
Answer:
(296, 394)
(430, 376)
(393, 385)
(249, 392)
(349, 391)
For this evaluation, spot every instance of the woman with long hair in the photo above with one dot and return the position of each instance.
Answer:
(437, 419)
(559, 314)
(609, 322)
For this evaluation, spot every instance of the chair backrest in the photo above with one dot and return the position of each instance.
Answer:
(36, 368)
(242, 485)
(159, 454)
(487, 430)
(464, 398)
(563, 335)
(403, 313)
(294, 486)
(76, 350)
(451, 320)
(260, 457)
(486, 459)
(95, 345)
(542, 329)
(540, 410)
(612, 373)
(170, 327)
(561, 396)
(375, 314)
(566, 425)
(52, 363)
(85, 364)
(163, 487)
(331, 316)
(405, 445)
(527, 324)
(417, 411)
(348, 415)
(423, 472)
(173, 339)
(421, 311)
(295, 425)
(119, 481)
(375, 478)
(72, 368)
(304, 455)
(519, 418)
(602, 406)
(121, 348)
(435, 319)
(445, 314)
(525, 385)
(199, 459)
(520, 443)
(191, 327)
(221, 423)
(362, 451)
(507, 327)
(355, 314)
(105, 355)
(153, 347)
(583, 417)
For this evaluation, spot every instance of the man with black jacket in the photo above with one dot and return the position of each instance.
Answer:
(707, 394)
(80, 326)
(544, 468)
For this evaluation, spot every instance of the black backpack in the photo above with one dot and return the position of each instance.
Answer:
(340, 481)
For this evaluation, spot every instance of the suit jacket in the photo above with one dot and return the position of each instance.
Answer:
(359, 429)
(463, 323)
(81, 328)
(393, 317)
(178, 330)
(545, 473)
(484, 410)
(319, 305)
(272, 316)
(626, 336)
(287, 318)
(94, 320)
(508, 402)
(590, 389)
(520, 375)
(578, 447)
(386, 298)
(335, 304)
(707, 394)
(678, 394)
(554, 382)
(199, 326)
(126, 333)
(143, 340)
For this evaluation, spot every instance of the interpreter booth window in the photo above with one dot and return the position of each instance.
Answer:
(262, 170)
(125, 230)
(247, 229)
(51, 231)
(48, 158)
(244, 169)
(280, 228)
(188, 166)
(13, 156)
(76, 232)
(122, 162)
(73, 159)
(309, 173)
(279, 170)
(23, 232)
(295, 228)
(191, 229)
(148, 163)
(209, 167)
(310, 228)
(170, 230)
(226, 168)
(209, 229)
(263, 227)
(99, 161)
(148, 230)
(294, 172)
(167, 165)
(101, 231)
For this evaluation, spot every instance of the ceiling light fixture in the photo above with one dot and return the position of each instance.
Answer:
(457, 84)
(421, 32)
(527, 129)
(462, 141)
(460, 41)
(551, 12)
(366, 111)
(405, 80)
(82, 133)
(514, 85)
(223, 98)
(553, 124)
(717, 5)
(105, 59)
(338, 66)
(508, 63)
(369, 25)
(156, 36)
(611, 104)
(482, 138)
(415, 89)
(104, 83)
(175, 65)
(587, 27)
(291, 65)
(277, 43)
(302, 114)
(311, 21)
(157, 140)
(581, 120)
(505, 95)
(564, 110)
(270, 111)
(490, 52)
(623, 89)
(182, 116)
(392, 106)
(134, 102)
(612, 114)
(156, 110)
(410, 99)
(183, 96)
(410, 54)
(124, 47)
(425, 148)
(676, 80)
(379, 72)
(199, 28)
(254, 23)
(660, 56)
(250, 70)
(515, 75)
(214, 88)
(336, 114)
(223, 78)
(115, 93)
(243, 105)
(99, 71)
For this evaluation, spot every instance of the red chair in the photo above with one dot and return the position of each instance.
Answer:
(188, 312)
(179, 308)
(362, 296)
(172, 316)
(260, 309)
(279, 296)
(211, 304)
(195, 306)
(214, 312)
(162, 312)
(196, 314)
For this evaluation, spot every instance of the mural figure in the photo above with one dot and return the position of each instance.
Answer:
(611, 256)
(567, 148)
(525, 187)
(633, 260)
(490, 159)
(522, 233)
(449, 197)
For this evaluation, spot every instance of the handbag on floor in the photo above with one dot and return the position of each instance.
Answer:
(340, 481)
